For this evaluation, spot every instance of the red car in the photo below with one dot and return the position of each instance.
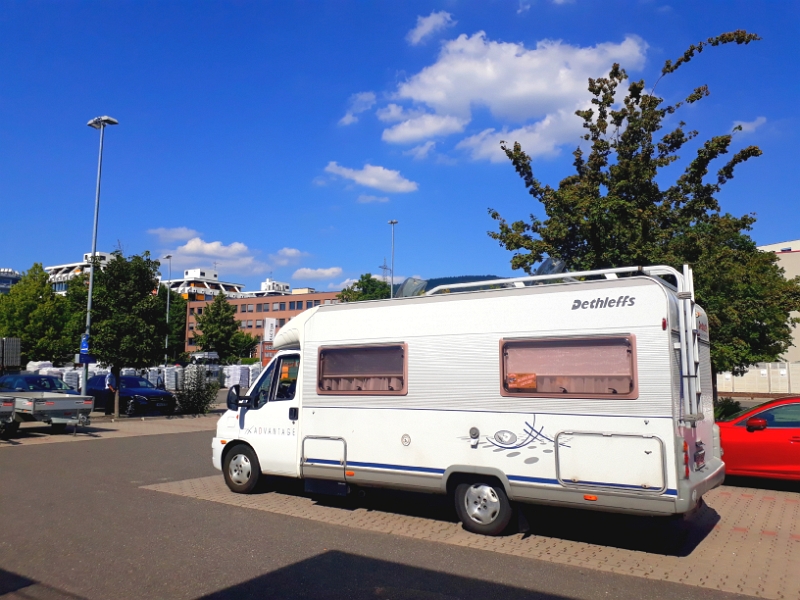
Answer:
(763, 441)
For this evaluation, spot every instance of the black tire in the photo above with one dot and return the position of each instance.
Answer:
(58, 428)
(483, 507)
(9, 430)
(241, 469)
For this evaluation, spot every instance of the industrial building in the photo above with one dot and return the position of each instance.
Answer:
(8, 277)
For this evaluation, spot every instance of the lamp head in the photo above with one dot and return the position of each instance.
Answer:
(168, 256)
(100, 122)
(392, 222)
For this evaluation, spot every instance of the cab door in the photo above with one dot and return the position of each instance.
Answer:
(271, 426)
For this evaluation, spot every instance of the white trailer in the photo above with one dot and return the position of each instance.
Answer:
(590, 390)
(57, 410)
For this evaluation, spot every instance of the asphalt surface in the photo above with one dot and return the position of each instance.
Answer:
(77, 524)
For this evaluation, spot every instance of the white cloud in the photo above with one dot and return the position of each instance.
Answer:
(366, 199)
(539, 139)
(339, 286)
(167, 235)
(523, 7)
(562, 1)
(421, 151)
(379, 178)
(436, 21)
(305, 273)
(358, 103)
(514, 82)
(394, 113)
(750, 126)
(286, 256)
(422, 127)
(232, 258)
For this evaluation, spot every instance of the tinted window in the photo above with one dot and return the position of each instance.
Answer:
(372, 370)
(135, 382)
(782, 417)
(569, 367)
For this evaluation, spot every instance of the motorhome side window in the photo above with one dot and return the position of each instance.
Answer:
(363, 370)
(593, 367)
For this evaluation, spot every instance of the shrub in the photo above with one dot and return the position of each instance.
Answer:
(198, 394)
(725, 407)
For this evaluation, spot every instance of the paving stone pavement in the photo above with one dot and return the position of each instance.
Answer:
(744, 540)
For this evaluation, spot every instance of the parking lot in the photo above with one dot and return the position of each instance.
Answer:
(746, 540)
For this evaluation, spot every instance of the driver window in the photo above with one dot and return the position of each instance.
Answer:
(261, 391)
(288, 370)
(786, 416)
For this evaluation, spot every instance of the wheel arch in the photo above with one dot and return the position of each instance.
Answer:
(233, 444)
(457, 474)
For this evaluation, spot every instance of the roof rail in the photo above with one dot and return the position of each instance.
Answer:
(656, 270)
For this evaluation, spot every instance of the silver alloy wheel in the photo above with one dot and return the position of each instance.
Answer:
(482, 503)
(239, 469)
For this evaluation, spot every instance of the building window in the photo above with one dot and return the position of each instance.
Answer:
(191, 326)
(242, 324)
(199, 310)
(569, 367)
(275, 306)
(259, 307)
(259, 324)
(190, 341)
(281, 322)
(242, 308)
(363, 370)
(283, 305)
(309, 304)
(249, 324)
(316, 302)
(250, 308)
(327, 301)
(266, 307)
(191, 310)
(291, 305)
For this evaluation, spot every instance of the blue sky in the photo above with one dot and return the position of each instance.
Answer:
(280, 137)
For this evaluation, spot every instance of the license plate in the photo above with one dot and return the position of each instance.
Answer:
(161, 404)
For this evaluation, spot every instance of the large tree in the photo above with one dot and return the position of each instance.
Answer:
(615, 211)
(217, 327)
(366, 288)
(32, 312)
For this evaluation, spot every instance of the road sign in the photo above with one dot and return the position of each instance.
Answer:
(85, 359)
(85, 343)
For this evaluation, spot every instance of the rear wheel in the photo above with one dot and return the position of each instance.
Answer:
(241, 469)
(483, 507)
(8, 430)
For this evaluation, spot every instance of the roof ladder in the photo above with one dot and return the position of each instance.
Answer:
(690, 350)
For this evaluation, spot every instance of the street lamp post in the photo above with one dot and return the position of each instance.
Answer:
(169, 293)
(97, 123)
(391, 285)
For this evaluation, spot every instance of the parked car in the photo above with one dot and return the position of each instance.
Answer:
(136, 395)
(28, 382)
(763, 441)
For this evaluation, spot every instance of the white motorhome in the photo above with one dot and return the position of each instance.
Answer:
(589, 389)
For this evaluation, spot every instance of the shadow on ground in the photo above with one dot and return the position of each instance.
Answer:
(335, 575)
(17, 586)
(669, 536)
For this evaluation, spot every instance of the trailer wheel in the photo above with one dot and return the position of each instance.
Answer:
(57, 428)
(241, 469)
(9, 430)
(483, 507)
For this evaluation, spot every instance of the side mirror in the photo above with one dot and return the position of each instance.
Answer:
(756, 424)
(233, 398)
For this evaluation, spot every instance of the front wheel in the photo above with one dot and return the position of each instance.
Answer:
(483, 507)
(241, 469)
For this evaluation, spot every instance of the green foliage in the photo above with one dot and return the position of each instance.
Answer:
(614, 212)
(243, 344)
(248, 361)
(366, 288)
(198, 395)
(32, 312)
(725, 407)
(218, 327)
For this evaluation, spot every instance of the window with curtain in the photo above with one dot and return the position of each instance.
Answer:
(363, 370)
(570, 367)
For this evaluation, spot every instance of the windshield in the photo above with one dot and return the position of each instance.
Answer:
(135, 382)
(34, 384)
(738, 414)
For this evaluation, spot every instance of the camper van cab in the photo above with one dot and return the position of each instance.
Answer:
(591, 390)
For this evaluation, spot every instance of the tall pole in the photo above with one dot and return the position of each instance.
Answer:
(169, 293)
(85, 382)
(391, 285)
